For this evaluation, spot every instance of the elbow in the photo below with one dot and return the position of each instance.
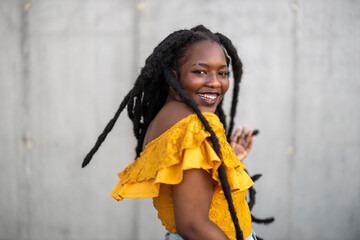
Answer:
(189, 231)
(200, 229)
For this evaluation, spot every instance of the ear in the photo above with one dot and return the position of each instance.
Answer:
(172, 92)
(175, 74)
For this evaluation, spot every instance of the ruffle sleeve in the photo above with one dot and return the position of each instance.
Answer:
(184, 146)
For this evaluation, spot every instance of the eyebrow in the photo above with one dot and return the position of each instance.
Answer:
(207, 65)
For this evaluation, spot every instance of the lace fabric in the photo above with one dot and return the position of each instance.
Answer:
(186, 146)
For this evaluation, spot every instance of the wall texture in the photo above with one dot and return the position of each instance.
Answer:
(66, 65)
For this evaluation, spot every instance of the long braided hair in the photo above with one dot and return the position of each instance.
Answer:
(151, 88)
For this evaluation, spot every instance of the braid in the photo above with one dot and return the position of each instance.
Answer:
(216, 145)
(107, 129)
(251, 203)
(220, 113)
(237, 70)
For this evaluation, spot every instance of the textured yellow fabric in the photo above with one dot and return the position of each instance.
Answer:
(185, 146)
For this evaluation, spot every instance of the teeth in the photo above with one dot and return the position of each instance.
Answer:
(208, 96)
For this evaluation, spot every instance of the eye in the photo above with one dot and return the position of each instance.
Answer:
(200, 72)
(224, 74)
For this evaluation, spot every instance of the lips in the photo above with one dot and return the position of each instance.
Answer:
(208, 98)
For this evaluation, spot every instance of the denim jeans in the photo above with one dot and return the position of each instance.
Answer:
(174, 236)
(252, 236)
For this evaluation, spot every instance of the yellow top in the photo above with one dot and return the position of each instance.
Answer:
(186, 146)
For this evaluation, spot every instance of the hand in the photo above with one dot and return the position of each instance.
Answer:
(241, 142)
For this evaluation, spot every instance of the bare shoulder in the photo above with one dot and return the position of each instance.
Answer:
(171, 113)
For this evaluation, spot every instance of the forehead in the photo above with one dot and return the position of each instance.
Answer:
(205, 51)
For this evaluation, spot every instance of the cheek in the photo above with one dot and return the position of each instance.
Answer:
(191, 83)
(225, 85)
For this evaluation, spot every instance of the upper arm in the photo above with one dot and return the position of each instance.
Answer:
(192, 200)
(192, 197)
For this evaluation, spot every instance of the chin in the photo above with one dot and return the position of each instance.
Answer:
(207, 109)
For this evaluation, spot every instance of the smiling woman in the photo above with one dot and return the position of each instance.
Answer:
(184, 159)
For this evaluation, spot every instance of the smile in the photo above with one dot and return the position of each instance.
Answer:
(208, 98)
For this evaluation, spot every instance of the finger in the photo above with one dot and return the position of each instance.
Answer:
(242, 135)
(236, 134)
(249, 146)
(248, 135)
(248, 138)
(255, 132)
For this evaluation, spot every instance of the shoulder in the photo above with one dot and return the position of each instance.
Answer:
(171, 113)
(174, 111)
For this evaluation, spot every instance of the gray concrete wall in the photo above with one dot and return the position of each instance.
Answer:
(66, 65)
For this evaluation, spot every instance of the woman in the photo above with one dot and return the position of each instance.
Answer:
(184, 160)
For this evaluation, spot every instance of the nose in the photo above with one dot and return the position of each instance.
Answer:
(213, 81)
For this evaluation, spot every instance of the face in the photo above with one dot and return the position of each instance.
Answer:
(204, 74)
